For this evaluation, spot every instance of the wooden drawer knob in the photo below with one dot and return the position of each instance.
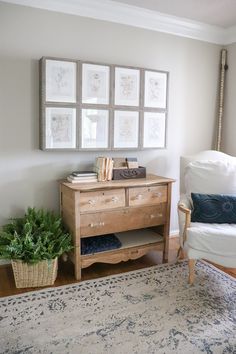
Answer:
(157, 194)
(114, 199)
(92, 202)
(139, 196)
(159, 215)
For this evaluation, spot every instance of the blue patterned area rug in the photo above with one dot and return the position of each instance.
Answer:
(152, 310)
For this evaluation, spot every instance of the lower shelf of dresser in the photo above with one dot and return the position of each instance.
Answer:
(135, 244)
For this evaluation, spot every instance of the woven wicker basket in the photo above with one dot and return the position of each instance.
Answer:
(34, 275)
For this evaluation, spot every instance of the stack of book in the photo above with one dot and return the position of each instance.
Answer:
(103, 167)
(82, 177)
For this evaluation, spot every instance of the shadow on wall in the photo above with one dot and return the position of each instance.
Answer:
(34, 93)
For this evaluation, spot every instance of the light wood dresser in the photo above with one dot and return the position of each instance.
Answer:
(136, 210)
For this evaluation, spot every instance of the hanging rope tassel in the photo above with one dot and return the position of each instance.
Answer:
(223, 68)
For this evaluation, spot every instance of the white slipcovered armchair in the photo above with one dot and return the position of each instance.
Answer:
(209, 172)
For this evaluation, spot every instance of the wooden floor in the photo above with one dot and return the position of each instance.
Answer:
(66, 271)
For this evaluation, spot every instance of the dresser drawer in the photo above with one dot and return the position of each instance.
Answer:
(102, 200)
(92, 224)
(147, 195)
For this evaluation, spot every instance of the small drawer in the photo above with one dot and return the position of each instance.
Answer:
(147, 195)
(102, 200)
(92, 224)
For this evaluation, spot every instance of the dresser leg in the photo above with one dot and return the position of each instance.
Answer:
(77, 263)
(166, 250)
(77, 273)
(164, 258)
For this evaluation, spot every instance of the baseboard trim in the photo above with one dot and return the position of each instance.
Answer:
(174, 233)
(4, 262)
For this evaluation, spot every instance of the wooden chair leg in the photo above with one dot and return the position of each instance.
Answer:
(191, 266)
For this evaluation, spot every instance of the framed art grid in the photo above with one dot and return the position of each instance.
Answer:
(95, 106)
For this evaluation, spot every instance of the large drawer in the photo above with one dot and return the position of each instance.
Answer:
(92, 224)
(102, 200)
(147, 195)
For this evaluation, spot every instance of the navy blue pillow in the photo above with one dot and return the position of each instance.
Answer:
(90, 245)
(213, 208)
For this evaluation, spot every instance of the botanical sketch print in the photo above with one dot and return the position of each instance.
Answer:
(155, 89)
(126, 127)
(95, 125)
(127, 86)
(60, 128)
(95, 87)
(154, 130)
(60, 81)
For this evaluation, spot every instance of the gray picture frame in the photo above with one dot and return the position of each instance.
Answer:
(60, 127)
(126, 129)
(95, 83)
(127, 86)
(154, 130)
(96, 133)
(109, 105)
(155, 93)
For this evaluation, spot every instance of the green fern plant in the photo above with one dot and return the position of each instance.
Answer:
(37, 236)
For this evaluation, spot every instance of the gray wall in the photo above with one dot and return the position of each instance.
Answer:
(28, 176)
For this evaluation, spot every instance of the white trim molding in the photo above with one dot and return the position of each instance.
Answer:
(3, 262)
(113, 11)
(174, 233)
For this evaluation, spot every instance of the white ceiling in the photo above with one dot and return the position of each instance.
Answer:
(211, 21)
(214, 12)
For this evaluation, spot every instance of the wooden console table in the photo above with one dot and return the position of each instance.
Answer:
(92, 209)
